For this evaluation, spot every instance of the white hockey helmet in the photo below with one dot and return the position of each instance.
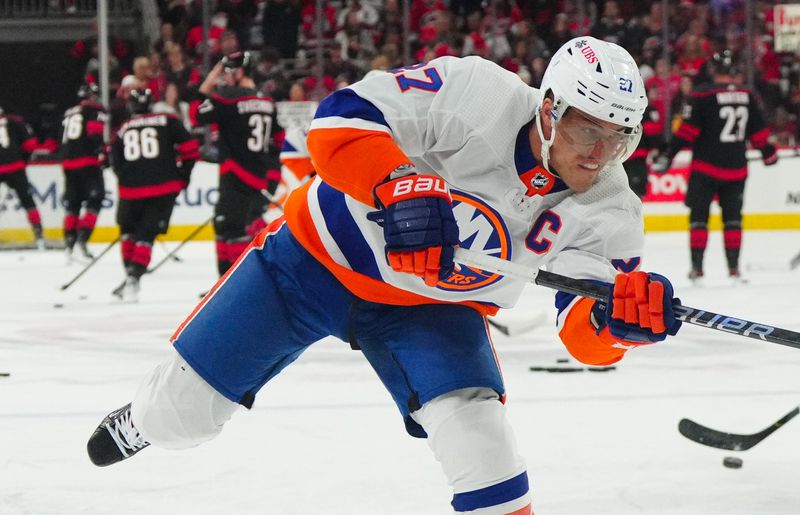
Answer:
(600, 79)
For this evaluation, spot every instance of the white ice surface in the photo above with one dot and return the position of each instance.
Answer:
(325, 438)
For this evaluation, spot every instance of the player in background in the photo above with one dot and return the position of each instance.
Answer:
(410, 164)
(652, 137)
(248, 159)
(17, 141)
(717, 123)
(82, 158)
(153, 156)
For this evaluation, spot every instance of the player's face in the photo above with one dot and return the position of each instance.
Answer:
(583, 146)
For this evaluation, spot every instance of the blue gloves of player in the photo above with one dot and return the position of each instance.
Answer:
(639, 308)
(416, 214)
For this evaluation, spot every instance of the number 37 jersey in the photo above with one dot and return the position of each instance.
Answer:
(467, 121)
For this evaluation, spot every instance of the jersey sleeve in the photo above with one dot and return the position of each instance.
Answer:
(757, 131)
(210, 110)
(611, 241)
(25, 136)
(95, 127)
(187, 147)
(360, 134)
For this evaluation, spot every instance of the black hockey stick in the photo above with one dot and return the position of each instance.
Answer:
(90, 264)
(186, 240)
(730, 441)
(594, 291)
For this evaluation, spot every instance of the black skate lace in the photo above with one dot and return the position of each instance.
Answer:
(125, 435)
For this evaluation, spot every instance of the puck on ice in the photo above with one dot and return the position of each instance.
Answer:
(58, 305)
(732, 463)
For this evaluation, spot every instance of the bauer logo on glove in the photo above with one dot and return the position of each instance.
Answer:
(419, 228)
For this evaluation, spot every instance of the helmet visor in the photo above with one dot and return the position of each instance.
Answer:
(587, 135)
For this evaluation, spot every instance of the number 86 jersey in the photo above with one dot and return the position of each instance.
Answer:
(467, 121)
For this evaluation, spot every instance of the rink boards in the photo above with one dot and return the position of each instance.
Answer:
(772, 201)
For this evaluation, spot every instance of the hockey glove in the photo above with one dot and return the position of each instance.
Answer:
(638, 309)
(420, 231)
(769, 154)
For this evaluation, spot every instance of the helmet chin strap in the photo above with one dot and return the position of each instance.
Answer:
(545, 150)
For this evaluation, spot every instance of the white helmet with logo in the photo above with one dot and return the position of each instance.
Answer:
(600, 79)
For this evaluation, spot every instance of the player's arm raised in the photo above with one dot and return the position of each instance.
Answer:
(353, 149)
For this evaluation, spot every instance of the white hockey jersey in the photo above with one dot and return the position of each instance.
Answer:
(466, 120)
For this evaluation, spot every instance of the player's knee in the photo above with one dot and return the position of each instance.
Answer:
(472, 439)
(175, 408)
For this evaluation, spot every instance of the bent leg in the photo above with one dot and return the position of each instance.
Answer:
(175, 408)
(473, 441)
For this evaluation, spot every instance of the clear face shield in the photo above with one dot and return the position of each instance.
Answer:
(588, 137)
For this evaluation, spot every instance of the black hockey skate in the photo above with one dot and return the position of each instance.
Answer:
(115, 439)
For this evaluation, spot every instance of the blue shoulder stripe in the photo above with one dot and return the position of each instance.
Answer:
(287, 147)
(347, 104)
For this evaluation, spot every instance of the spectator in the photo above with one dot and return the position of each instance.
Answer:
(172, 104)
(280, 24)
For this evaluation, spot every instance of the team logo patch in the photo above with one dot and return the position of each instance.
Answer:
(539, 181)
(482, 229)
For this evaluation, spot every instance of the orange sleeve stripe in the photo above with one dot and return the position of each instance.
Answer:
(301, 167)
(299, 220)
(354, 161)
(582, 342)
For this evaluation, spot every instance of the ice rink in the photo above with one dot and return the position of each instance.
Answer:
(325, 438)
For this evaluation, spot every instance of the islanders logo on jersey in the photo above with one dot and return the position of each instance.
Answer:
(482, 229)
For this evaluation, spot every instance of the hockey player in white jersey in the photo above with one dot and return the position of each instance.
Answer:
(411, 164)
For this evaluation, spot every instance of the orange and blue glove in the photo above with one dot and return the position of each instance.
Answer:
(419, 228)
(638, 308)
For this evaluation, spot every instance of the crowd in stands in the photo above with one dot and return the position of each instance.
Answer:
(521, 35)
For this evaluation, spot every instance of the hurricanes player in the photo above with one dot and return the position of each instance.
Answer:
(82, 158)
(411, 164)
(719, 120)
(17, 141)
(153, 156)
(249, 160)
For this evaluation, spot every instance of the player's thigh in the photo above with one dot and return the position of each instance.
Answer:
(129, 211)
(73, 192)
(155, 217)
(93, 188)
(700, 191)
(731, 198)
(421, 352)
(275, 302)
(230, 213)
(18, 182)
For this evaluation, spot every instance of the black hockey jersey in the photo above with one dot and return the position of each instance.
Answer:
(247, 124)
(652, 133)
(82, 135)
(17, 141)
(153, 155)
(717, 123)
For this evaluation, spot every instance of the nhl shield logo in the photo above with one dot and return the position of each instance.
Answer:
(539, 181)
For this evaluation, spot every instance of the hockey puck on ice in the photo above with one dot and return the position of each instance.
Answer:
(83, 297)
(562, 360)
(58, 305)
(5, 374)
(732, 462)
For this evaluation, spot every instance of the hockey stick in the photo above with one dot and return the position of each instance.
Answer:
(181, 244)
(730, 441)
(594, 291)
(90, 264)
(164, 247)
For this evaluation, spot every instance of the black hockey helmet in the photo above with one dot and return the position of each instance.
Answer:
(236, 60)
(88, 90)
(140, 100)
(724, 63)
